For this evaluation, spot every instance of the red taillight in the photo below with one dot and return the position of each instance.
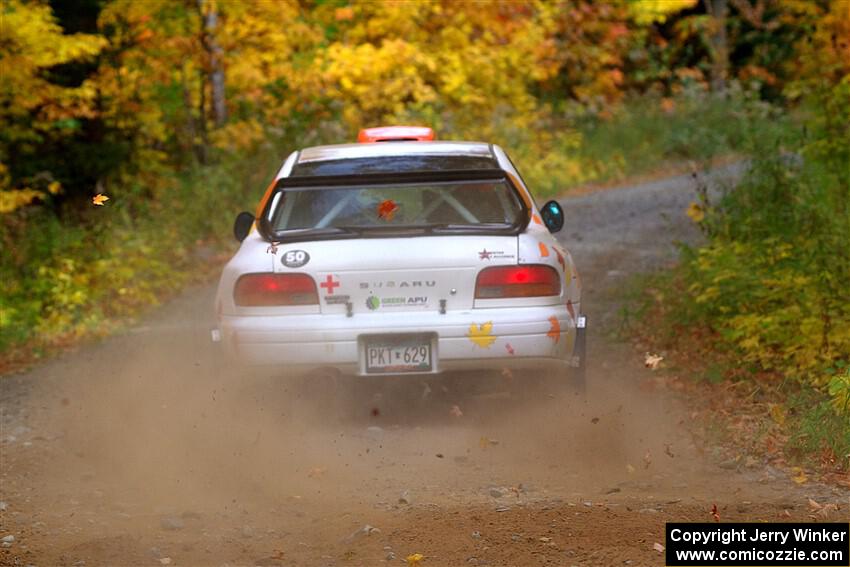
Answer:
(255, 290)
(517, 281)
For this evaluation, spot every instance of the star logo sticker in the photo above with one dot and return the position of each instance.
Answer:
(484, 255)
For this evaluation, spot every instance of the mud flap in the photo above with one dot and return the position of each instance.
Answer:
(579, 371)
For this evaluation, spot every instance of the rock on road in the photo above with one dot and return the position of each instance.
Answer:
(140, 451)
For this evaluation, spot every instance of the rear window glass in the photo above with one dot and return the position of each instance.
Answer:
(471, 204)
(393, 164)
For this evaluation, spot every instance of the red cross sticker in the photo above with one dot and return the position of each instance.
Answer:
(329, 284)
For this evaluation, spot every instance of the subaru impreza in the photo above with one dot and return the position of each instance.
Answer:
(402, 255)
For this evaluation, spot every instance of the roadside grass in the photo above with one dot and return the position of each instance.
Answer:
(763, 306)
(648, 134)
(816, 432)
(67, 280)
(758, 413)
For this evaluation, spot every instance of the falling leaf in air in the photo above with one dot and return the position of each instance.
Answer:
(99, 199)
(413, 560)
(652, 361)
(658, 547)
(544, 250)
(455, 411)
(668, 451)
(387, 209)
(482, 335)
(630, 469)
(509, 348)
(554, 329)
(714, 513)
(800, 476)
(647, 459)
(695, 212)
(506, 373)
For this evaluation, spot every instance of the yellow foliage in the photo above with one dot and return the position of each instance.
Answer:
(771, 308)
(839, 390)
(651, 11)
(30, 43)
(11, 200)
(695, 212)
(398, 61)
(379, 83)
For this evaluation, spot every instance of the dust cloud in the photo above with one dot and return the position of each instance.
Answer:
(149, 433)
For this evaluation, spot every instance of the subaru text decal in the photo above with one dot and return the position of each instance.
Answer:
(392, 283)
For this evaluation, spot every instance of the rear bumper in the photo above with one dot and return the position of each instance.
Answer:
(517, 338)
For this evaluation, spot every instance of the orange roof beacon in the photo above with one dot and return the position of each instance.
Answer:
(396, 134)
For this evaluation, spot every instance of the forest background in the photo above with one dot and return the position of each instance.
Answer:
(179, 112)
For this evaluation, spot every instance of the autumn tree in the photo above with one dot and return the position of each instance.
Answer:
(35, 110)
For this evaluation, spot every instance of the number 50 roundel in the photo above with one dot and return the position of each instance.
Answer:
(295, 258)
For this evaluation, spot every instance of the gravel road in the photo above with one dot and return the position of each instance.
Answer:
(138, 451)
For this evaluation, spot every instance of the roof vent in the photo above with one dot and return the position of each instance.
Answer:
(396, 134)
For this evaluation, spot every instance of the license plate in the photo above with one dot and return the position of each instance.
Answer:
(398, 356)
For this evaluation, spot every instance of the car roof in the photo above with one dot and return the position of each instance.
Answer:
(394, 149)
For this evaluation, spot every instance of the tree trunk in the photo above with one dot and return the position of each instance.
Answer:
(718, 44)
(215, 63)
(191, 137)
(202, 118)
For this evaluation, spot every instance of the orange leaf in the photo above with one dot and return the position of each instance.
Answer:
(554, 329)
(561, 261)
(99, 199)
(144, 35)
(387, 209)
(345, 13)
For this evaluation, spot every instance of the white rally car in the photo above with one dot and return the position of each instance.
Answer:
(401, 255)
